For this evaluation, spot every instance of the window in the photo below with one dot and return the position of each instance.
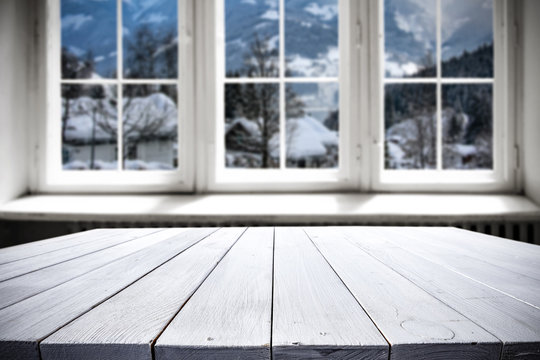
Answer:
(442, 118)
(277, 118)
(227, 95)
(122, 95)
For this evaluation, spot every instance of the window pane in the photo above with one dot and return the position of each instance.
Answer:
(467, 126)
(467, 38)
(312, 125)
(88, 39)
(252, 125)
(410, 38)
(410, 126)
(150, 33)
(311, 38)
(150, 118)
(252, 38)
(89, 127)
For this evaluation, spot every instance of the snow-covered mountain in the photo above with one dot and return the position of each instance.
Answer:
(311, 33)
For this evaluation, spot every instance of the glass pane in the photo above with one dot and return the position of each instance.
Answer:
(410, 38)
(88, 39)
(467, 126)
(150, 32)
(252, 125)
(410, 126)
(150, 127)
(252, 38)
(89, 127)
(312, 125)
(311, 38)
(467, 38)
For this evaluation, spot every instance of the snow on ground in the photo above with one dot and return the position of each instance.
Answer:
(128, 165)
(143, 165)
(85, 165)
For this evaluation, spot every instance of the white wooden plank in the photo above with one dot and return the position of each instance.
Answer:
(24, 286)
(229, 316)
(515, 256)
(113, 330)
(25, 323)
(416, 324)
(25, 266)
(24, 251)
(513, 322)
(314, 314)
(498, 277)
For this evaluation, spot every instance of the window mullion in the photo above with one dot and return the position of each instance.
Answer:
(282, 103)
(119, 77)
(439, 87)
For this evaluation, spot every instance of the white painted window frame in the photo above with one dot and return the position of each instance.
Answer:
(216, 177)
(201, 118)
(53, 178)
(502, 177)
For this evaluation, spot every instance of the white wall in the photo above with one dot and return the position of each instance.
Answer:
(15, 45)
(531, 98)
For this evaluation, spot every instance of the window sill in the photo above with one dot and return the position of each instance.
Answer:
(274, 209)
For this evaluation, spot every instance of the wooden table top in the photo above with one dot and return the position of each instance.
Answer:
(262, 292)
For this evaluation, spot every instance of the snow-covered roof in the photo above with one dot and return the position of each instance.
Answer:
(307, 137)
(249, 125)
(80, 122)
(146, 112)
(142, 114)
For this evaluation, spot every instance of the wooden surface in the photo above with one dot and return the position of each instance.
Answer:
(261, 293)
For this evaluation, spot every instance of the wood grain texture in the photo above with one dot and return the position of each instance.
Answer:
(25, 323)
(314, 314)
(518, 257)
(417, 325)
(498, 277)
(513, 322)
(24, 251)
(125, 326)
(25, 266)
(24, 286)
(229, 316)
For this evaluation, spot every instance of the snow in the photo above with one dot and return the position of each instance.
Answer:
(143, 165)
(465, 150)
(147, 112)
(396, 153)
(307, 137)
(85, 165)
(80, 122)
(249, 125)
(399, 69)
(142, 113)
(326, 65)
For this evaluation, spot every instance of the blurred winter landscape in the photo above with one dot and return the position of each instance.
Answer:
(466, 109)
(252, 111)
(90, 127)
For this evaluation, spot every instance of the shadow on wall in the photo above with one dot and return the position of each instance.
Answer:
(21, 232)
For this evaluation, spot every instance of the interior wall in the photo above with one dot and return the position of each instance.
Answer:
(15, 102)
(531, 98)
